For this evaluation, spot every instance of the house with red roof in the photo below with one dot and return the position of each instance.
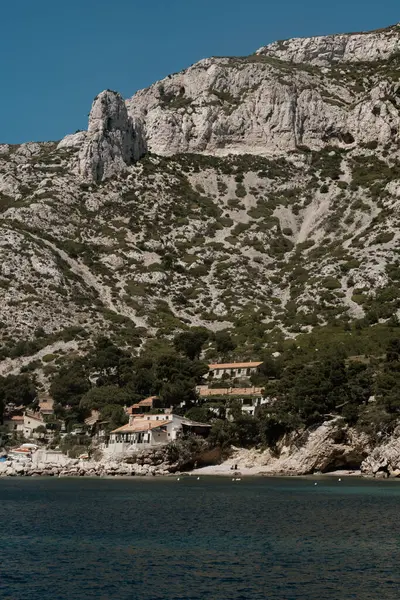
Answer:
(147, 431)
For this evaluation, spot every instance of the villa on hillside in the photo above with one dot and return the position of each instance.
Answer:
(14, 423)
(27, 423)
(233, 370)
(148, 431)
(94, 426)
(206, 392)
(251, 398)
(46, 406)
(32, 420)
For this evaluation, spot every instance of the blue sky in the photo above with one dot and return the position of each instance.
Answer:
(56, 55)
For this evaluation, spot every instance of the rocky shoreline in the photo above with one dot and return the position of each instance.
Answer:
(79, 469)
(153, 462)
(329, 449)
(67, 467)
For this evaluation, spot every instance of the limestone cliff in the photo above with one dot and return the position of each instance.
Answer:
(302, 237)
(351, 47)
(278, 99)
(324, 449)
(384, 460)
(328, 448)
(112, 140)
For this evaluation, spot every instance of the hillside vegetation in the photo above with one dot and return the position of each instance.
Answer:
(285, 244)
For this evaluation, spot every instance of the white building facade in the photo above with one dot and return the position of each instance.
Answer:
(150, 431)
(233, 370)
(31, 422)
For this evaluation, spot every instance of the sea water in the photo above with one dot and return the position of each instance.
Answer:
(207, 539)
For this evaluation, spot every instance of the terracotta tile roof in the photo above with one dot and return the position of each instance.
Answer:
(130, 409)
(244, 365)
(46, 405)
(147, 401)
(253, 391)
(94, 417)
(139, 425)
(32, 415)
(17, 418)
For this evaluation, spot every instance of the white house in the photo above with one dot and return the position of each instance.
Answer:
(233, 370)
(152, 430)
(251, 404)
(31, 422)
(250, 398)
(46, 407)
(232, 392)
(14, 423)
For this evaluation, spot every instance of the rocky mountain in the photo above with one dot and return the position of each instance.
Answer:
(258, 194)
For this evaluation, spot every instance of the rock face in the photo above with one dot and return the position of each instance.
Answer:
(384, 460)
(313, 226)
(328, 448)
(74, 140)
(112, 142)
(331, 447)
(276, 100)
(279, 99)
(325, 50)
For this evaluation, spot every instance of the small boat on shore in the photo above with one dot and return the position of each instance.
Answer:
(22, 452)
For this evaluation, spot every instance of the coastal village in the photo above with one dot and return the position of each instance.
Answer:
(149, 424)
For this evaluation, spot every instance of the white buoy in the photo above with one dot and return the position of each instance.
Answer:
(178, 478)
(315, 483)
(233, 479)
(339, 479)
(198, 478)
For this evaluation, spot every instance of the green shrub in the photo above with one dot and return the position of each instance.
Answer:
(331, 283)
(49, 358)
(383, 238)
(240, 190)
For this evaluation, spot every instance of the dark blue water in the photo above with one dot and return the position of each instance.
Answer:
(210, 539)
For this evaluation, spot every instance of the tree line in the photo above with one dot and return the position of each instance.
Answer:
(304, 389)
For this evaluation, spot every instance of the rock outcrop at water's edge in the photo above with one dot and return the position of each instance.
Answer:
(384, 460)
(329, 448)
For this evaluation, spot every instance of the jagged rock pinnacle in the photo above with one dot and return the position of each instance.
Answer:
(113, 140)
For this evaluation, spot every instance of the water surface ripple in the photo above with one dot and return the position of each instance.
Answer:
(163, 539)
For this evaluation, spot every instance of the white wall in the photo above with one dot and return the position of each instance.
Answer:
(245, 372)
(30, 424)
(121, 443)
